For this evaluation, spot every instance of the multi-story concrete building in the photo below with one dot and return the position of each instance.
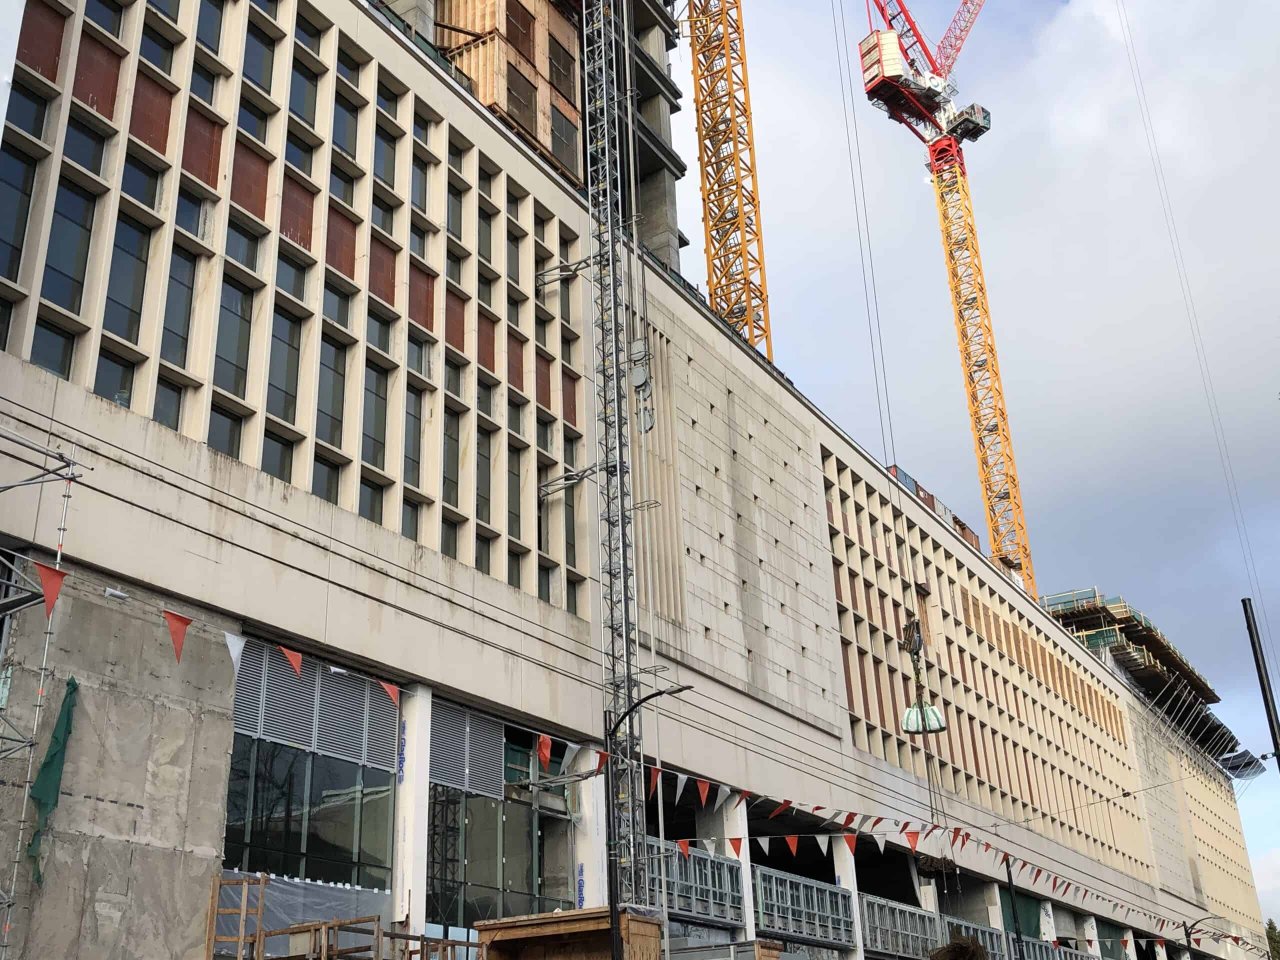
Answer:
(269, 274)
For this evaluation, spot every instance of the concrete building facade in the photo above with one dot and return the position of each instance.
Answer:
(289, 295)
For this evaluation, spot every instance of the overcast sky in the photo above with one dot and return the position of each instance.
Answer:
(1121, 480)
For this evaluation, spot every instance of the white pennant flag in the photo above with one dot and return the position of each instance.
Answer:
(722, 794)
(570, 751)
(235, 646)
(764, 844)
(681, 780)
(879, 838)
(710, 844)
(824, 842)
(862, 823)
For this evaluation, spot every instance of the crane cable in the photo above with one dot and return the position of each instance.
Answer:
(1193, 323)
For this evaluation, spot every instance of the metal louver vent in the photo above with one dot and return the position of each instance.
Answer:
(289, 703)
(248, 702)
(485, 742)
(340, 719)
(383, 735)
(448, 744)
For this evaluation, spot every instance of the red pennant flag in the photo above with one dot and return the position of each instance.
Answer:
(1057, 944)
(1235, 940)
(1088, 941)
(929, 833)
(904, 826)
(1161, 922)
(913, 838)
(1196, 941)
(792, 843)
(684, 848)
(654, 774)
(851, 841)
(848, 819)
(965, 839)
(875, 823)
(392, 691)
(1160, 942)
(1124, 943)
(601, 759)
(1022, 866)
(1054, 885)
(1036, 878)
(745, 794)
(544, 751)
(785, 804)
(736, 843)
(1004, 858)
(50, 585)
(955, 835)
(703, 787)
(986, 847)
(177, 631)
(294, 658)
(1065, 889)
(816, 809)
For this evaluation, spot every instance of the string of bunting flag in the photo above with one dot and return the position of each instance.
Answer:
(848, 826)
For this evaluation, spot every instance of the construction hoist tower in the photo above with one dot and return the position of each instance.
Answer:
(911, 83)
(727, 161)
(606, 106)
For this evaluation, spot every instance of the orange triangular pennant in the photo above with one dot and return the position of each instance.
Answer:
(601, 759)
(736, 843)
(392, 691)
(684, 848)
(792, 843)
(703, 787)
(913, 838)
(177, 631)
(654, 774)
(50, 585)
(544, 751)
(744, 795)
(851, 841)
(294, 658)
(781, 807)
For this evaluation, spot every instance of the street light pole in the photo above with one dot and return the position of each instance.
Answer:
(1187, 928)
(1013, 908)
(610, 810)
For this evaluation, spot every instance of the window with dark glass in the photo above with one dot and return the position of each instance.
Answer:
(544, 584)
(291, 276)
(513, 492)
(51, 348)
(515, 416)
(571, 596)
(560, 64)
(189, 214)
(177, 307)
(333, 384)
(299, 153)
(521, 99)
(378, 332)
(383, 215)
(224, 432)
(308, 34)
(156, 50)
(484, 471)
(342, 186)
(520, 28)
(114, 379)
(418, 184)
(409, 520)
(483, 549)
(418, 241)
(252, 120)
(454, 212)
(570, 526)
(456, 153)
(277, 456)
(6, 317)
(204, 82)
(128, 279)
(566, 300)
(564, 140)
(168, 405)
(302, 94)
(69, 237)
(83, 145)
(513, 568)
(231, 355)
(269, 7)
(209, 24)
(387, 99)
(452, 445)
(324, 480)
(373, 448)
(453, 376)
(27, 110)
(105, 13)
(168, 7)
(453, 268)
(259, 57)
(242, 246)
(449, 538)
(421, 128)
(282, 376)
(384, 157)
(348, 68)
(513, 204)
(485, 182)
(484, 398)
(484, 236)
(418, 356)
(140, 181)
(17, 179)
(344, 125)
(413, 437)
(513, 258)
(371, 496)
(337, 305)
(484, 291)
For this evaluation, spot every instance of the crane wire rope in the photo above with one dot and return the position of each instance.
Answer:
(1193, 323)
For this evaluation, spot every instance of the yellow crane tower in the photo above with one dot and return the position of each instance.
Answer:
(727, 159)
(911, 83)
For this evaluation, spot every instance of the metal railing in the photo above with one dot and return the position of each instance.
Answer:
(1033, 949)
(796, 908)
(700, 886)
(993, 940)
(901, 930)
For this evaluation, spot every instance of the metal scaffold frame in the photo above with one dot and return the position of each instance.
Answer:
(603, 35)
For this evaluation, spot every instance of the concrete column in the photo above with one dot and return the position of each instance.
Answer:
(731, 821)
(413, 793)
(847, 877)
(1129, 947)
(590, 838)
(1160, 953)
(1048, 926)
(1089, 934)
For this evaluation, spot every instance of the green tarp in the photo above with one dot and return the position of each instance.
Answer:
(47, 785)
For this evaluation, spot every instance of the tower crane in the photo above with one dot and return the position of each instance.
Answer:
(727, 160)
(912, 84)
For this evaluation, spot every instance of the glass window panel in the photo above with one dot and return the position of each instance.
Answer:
(277, 457)
(333, 379)
(259, 54)
(177, 307)
(375, 817)
(51, 348)
(168, 408)
(324, 480)
(337, 305)
(418, 242)
(291, 277)
(374, 446)
(384, 157)
(270, 7)
(83, 145)
(384, 216)
(348, 67)
(190, 213)
(69, 239)
(302, 94)
(451, 447)
(209, 24)
(238, 786)
(413, 438)
(418, 184)
(27, 110)
(513, 568)
(6, 315)
(203, 83)
(378, 333)
(156, 49)
(231, 359)
(484, 468)
(114, 380)
(409, 520)
(513, 492)
(308, 34)
(519, 835)
(344, 125)
(483, 828)
(106, 14)
(342, 186)
(454, 213)
(17, 178)
(483, 548)
(242, 246)
(371, 501)
(333, 812)
(127, 284)
(298, 153)
(253, 121)
(224, 432)
(387, 99)
(282, 379)
(279, 798)
(140, 181)
(449, 538)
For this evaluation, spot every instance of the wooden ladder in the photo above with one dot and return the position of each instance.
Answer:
(248, 910)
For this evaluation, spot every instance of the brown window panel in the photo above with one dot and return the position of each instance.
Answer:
(488, 348)
(542, 376)
(97, 76)
(340, 245)
(853, 590)
(569, 397)
(40, 40)
(835, 575)
(848, 679)
(876, 669)
(201, 147)
(296, 204)
(249, 180)
(455, 321)
(422, 296)
(515, 361)
(382, 271)
(149, 119)
(862, 679)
